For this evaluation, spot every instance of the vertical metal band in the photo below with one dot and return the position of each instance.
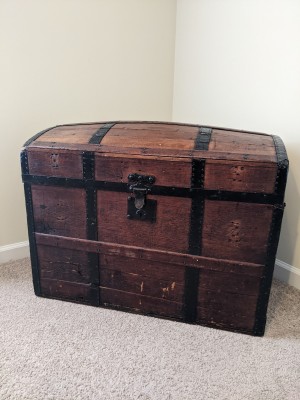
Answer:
(31, 227)
(192, 275)
(197, 210)
(99, 135)
(88, 164)
(266, 281)
(282, 165)
(203, 138)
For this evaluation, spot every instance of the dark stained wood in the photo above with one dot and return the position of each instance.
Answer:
(227, 311)
(143, 285)
(64, 264)
(169, 232)
(151, 255)
(141, 304)
(222, 320)
(167, 173)
(60, 163)
(140, 266)
(59, 211)
(62, 290)
(240, 177)
(224, 282)
(236, 231)
(231, 303)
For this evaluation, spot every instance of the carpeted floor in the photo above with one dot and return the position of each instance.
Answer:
(63, 351)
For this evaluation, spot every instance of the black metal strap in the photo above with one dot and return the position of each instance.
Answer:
(280, 149)
(222, 195)
(282, 165)
(192, 275)
(191, 284)
(266, 280)
(99, 135)
(203, 138)
(88, 164)
(197, 208)
(31, 227)
(37, 135)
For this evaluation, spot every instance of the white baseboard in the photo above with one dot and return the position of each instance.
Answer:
(14, 251)
(283, 271)
(287, 273)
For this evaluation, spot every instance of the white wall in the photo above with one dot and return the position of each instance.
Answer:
(237, 64)
(74, 61)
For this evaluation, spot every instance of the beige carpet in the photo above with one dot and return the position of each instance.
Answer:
(62, 351)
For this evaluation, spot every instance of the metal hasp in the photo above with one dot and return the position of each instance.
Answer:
(139, 207)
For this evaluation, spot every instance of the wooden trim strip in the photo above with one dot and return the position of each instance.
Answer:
(101, 132)
(157, 152)
(168, 257)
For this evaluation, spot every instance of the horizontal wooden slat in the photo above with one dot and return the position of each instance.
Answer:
(59, 163)
(238, 231)
(63, 264)
(71, 291)
(140, 304)
(153, 255)
(138, 266)
(70, 134)
(169, 232)
(59, 211)
(240, 176)
(223, 282)
(166, 173)
(241, 142)
(143, 285)
(157, 152)
(222, 319)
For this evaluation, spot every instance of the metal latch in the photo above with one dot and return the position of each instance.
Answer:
(139, 207)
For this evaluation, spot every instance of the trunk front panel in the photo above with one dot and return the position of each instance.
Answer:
(207, 253)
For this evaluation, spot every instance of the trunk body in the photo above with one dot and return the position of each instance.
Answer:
(165, 219)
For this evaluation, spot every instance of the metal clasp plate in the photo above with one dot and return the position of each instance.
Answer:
(139, 207)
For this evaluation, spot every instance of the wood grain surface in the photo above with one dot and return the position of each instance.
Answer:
(169, 232)
(59, 211)
(60, 163)
(236, 231)
(167, 173)
(64, 264)
(242, 176)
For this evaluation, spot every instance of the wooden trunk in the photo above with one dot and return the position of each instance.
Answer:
(165, 219)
